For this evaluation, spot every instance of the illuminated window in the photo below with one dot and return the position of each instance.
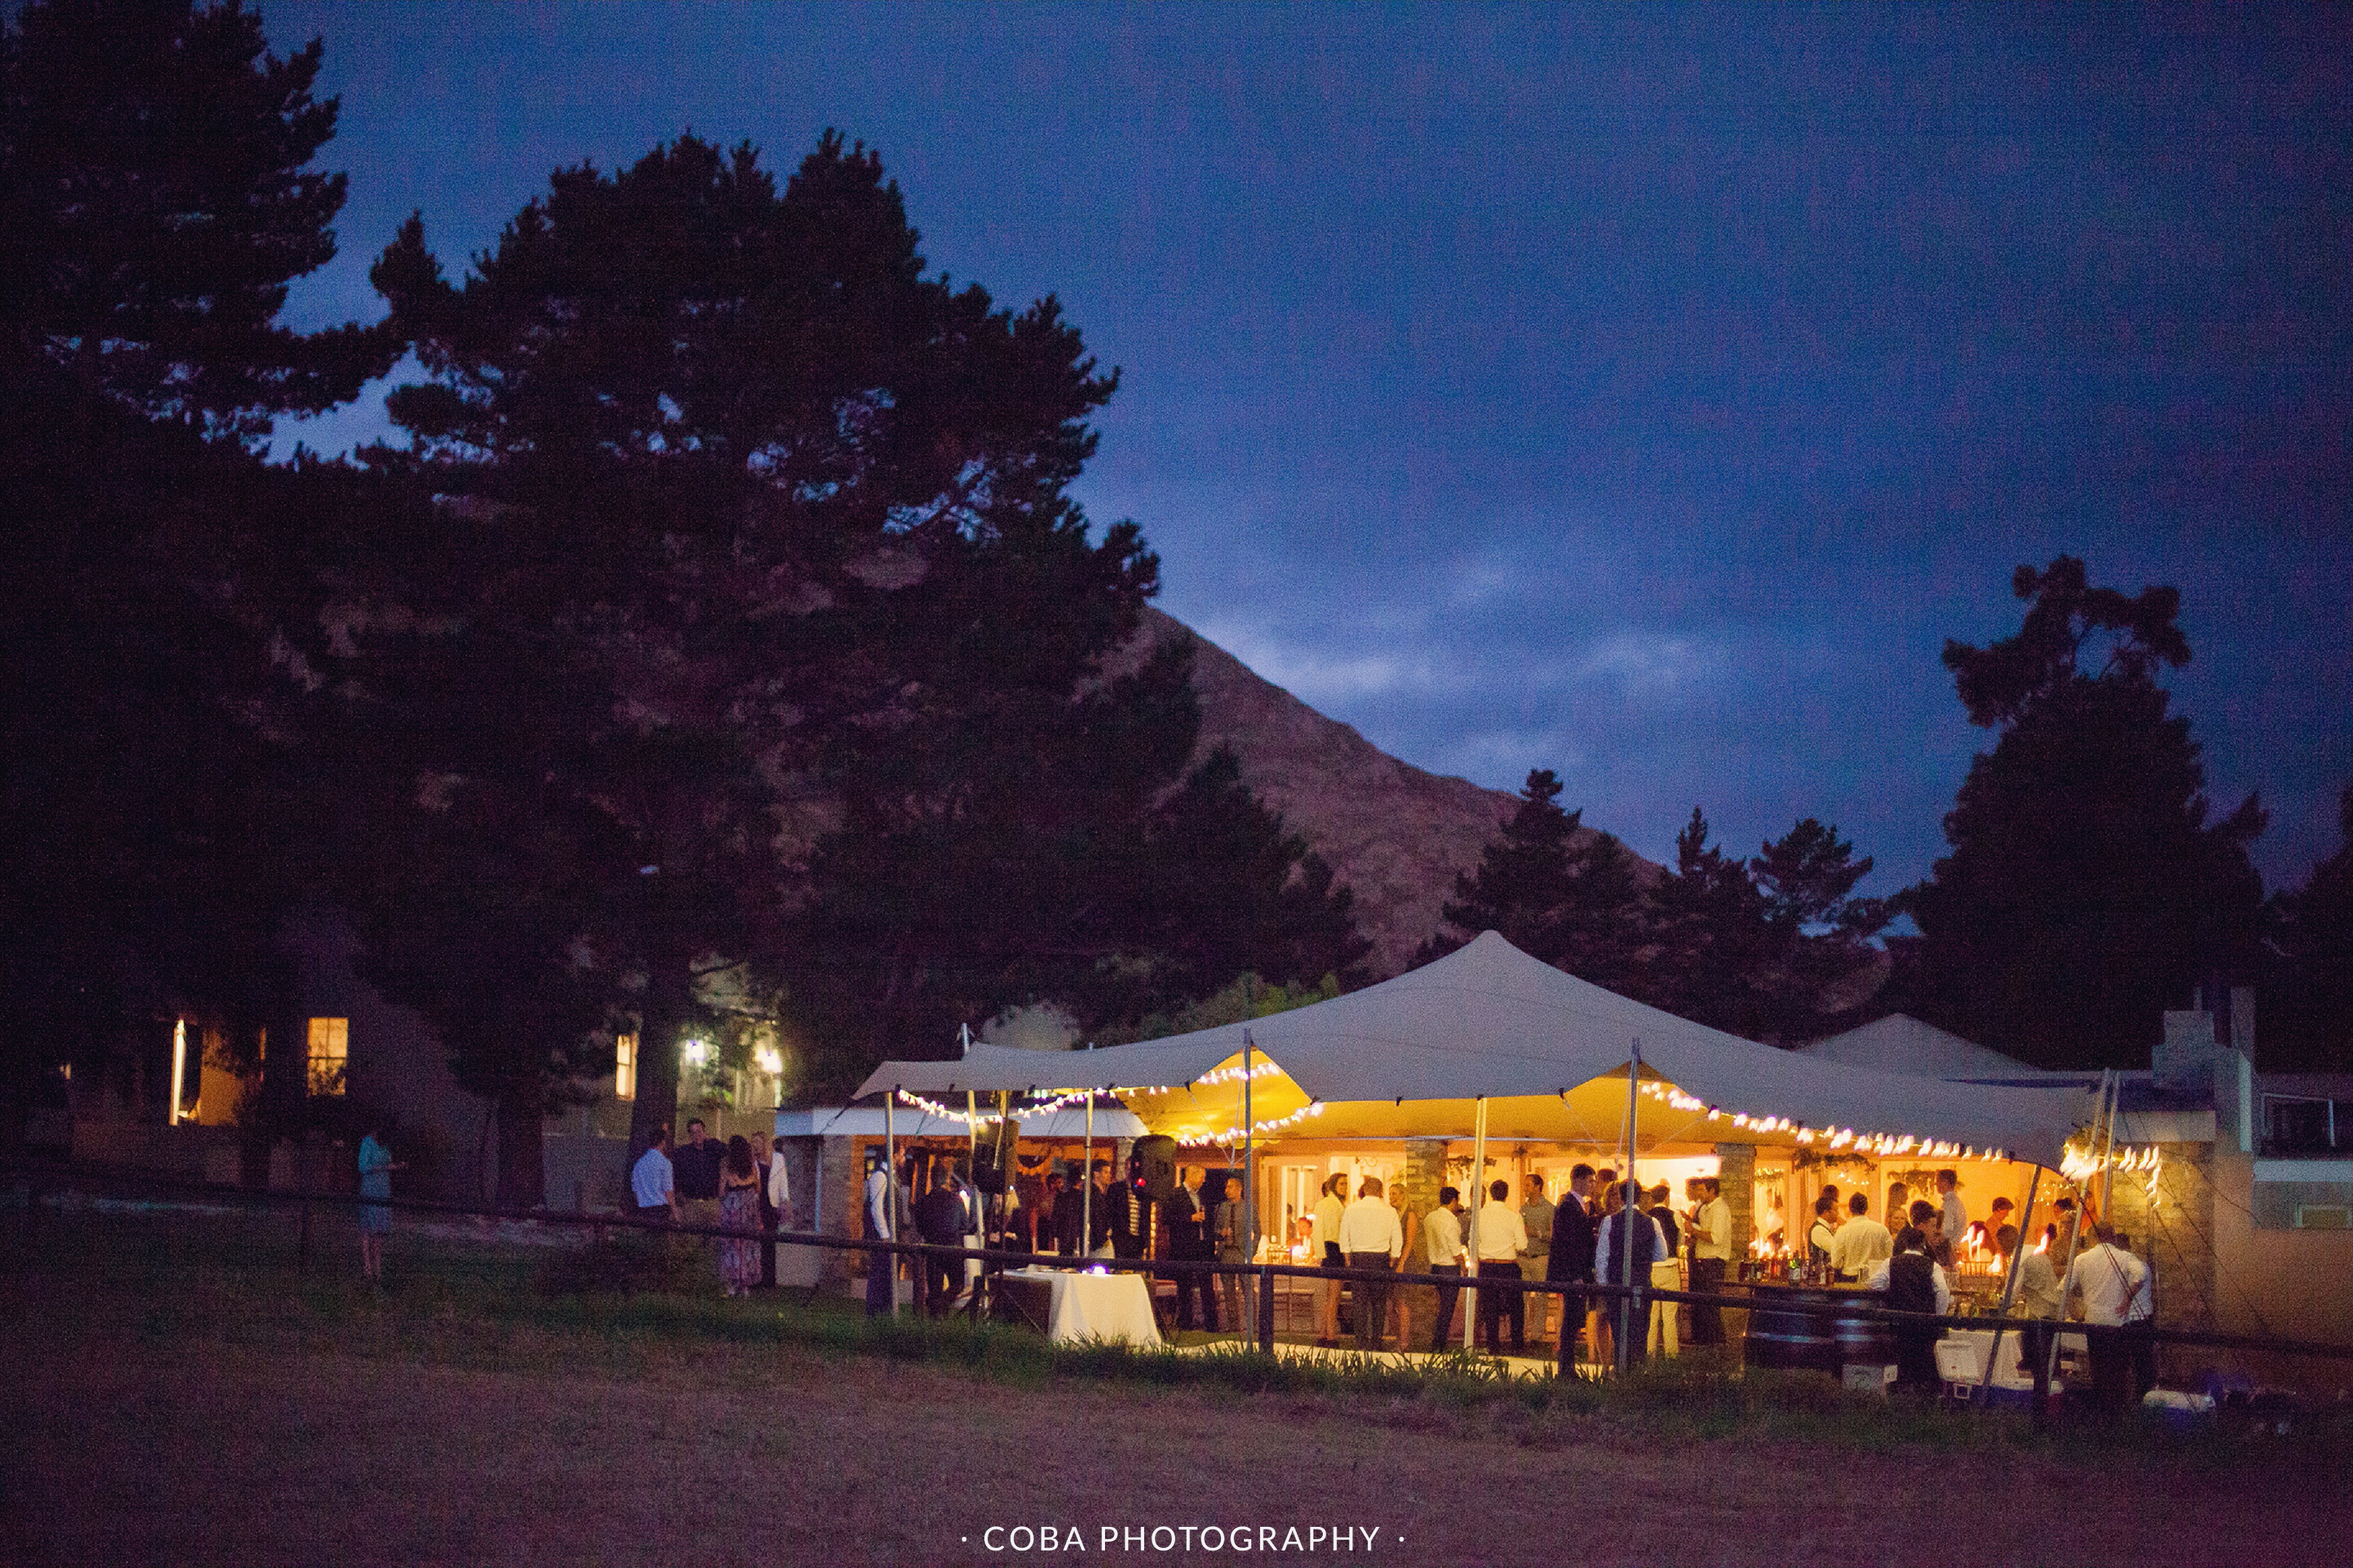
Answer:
(625, 1068)
(329, 1048)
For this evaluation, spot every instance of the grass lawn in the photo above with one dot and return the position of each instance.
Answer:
(181, 1392)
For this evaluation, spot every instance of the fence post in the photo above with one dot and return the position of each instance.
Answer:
(1266, 1308)
(1566, 1348)
(2041, 1402)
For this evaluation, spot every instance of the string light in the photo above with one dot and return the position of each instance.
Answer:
(1844, 1139)
(1259, 1129)
(948, 1113)
(1233, 1074)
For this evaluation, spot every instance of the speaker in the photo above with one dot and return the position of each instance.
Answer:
(1153, 1161)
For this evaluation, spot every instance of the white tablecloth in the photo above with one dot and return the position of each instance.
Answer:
(1964, 1349)
(1096, 1305)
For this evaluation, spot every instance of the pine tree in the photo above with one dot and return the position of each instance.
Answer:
(1554, 889)
(2087, 890)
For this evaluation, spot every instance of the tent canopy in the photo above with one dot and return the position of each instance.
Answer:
(1901, 1043)
(1489, 1021)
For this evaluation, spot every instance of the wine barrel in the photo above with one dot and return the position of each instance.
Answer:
(1866, 1341)
(1792, 1329)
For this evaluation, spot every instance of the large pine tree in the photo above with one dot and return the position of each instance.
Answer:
(2087, 889)
(1555, 891)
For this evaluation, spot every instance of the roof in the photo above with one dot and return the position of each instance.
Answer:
(1488, 1021)
(1901, 1043)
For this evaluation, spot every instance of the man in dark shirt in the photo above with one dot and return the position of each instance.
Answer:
(1571, 1257)
(697, 1163)
(940, 1214)
(1188, 1242)
(1069, 1217)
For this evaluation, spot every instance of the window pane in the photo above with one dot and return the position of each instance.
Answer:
(329, 1050)
(625, 1068)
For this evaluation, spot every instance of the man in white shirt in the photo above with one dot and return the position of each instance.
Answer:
(881, 1267)
(1498, 1236)
(1324, 1252)
(1711, 1257)
(1956, 1216)
(2113, 1284)
(1441, 1235)
(1371, 1238)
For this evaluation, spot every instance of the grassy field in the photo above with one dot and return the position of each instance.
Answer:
(182, 1392)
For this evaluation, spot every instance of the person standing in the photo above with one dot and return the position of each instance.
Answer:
(1065, 1215)
(1229, 1234)
(1665, 1337)
(2109, 1279)
(776, 1212)
(1711, 1257)
(697, 1163)
(940, 1218)
(1614, 1264)
(1863, 1244)
(1954, 1215)
(1821, 1238)
(1570, 1260)
(1442, 1244)
(1106, 1216)
(2039, 1295)
(1188, 1242)
(739, 1210)
(376, 1166)
(1535, 1217)
(1913, 1282)
(1498, 1236)
(1371, 1238)
(881, 1225)
(1401, 1299)
(653, 1184)
(1323, 1246)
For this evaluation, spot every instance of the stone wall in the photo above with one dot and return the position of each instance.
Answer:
(1738, 1172)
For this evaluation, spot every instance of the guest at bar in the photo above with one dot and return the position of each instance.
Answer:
(1441, 1235)
(1955, 1214)
(1930, 1221)
(1229, 1237)
(2038, 1281)
(1611, 1254)
(1711, 1256)
(1914, 1282)
(1823, 1234)
(1324, 1252)
(1535, 1214)
(1666, 1273)
(1898, 1211)
(1401, 1298)
(1862, 1243)
(1068, 1214)
(1188, 1242)
(1500, 1235)
(1372, 1239)
(2113, 1284)
(1570, 1261)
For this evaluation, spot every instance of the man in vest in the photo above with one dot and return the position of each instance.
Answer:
(1914, 1282)
(1613, 1265)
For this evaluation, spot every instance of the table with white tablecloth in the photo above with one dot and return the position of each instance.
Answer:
(1091, 1306)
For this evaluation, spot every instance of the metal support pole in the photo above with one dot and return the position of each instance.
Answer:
(1250, 1128)
(891, 1186)
(1087, 1182)
(2074, 1244)
(1266, 1308)
(1626, 1213)
(1478, 1200)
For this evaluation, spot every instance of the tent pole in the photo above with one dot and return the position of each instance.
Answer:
(891, 1181)
(2075, 1232)
(1626, 1213)
(1087, 1182)
(1478, 1201)
(2107, 1154)
(1249, 1130)
(2009, 1285)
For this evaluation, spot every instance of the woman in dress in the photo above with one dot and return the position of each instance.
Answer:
(376, 1166)
(739, 1209)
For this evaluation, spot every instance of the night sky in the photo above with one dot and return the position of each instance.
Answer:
(1642, 392)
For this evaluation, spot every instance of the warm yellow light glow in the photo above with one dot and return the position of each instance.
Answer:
(769, 1059)
(625, 1068)
(696, 1053)
(179, 1065)
(329, 1054)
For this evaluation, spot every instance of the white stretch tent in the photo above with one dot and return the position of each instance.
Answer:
(1488, 1021)
(1901, 1043)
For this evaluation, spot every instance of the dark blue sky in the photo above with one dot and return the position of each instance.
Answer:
(1644, 392)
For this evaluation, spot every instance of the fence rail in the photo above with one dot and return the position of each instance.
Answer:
(45, 1179)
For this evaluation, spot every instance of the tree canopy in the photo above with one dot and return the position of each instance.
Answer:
(2087, 889)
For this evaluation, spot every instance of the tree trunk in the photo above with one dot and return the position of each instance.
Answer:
(523, 1168)
(669, 1006)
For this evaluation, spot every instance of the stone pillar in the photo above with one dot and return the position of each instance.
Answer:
(1425, 1172)
(1739, 1173)
(842, 1176)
